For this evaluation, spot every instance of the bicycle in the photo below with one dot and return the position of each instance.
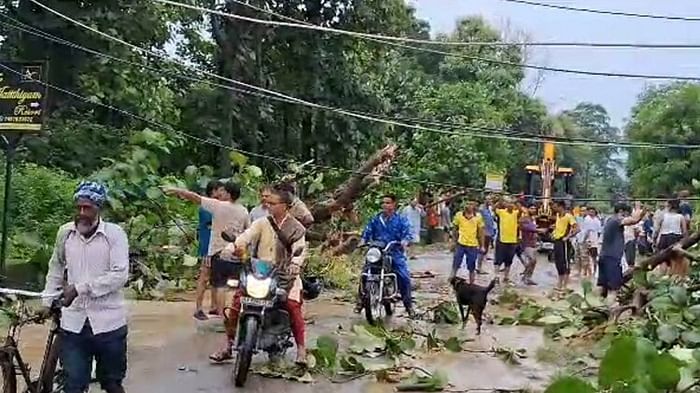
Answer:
(50, 379)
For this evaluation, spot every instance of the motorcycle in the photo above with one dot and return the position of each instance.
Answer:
(378, 286)
(263, 323)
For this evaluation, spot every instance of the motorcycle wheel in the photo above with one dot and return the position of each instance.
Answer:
(244, 356)
(372, 303)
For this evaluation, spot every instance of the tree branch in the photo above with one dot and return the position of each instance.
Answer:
(663, 256)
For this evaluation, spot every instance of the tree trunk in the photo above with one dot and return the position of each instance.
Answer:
(348, 192)
(662, 256)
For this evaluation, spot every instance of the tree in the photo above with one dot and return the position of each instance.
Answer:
(666, 114)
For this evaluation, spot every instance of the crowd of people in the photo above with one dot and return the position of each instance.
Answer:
(596, 246)
(90, 261)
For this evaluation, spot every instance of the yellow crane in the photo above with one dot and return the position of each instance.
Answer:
(547, 171)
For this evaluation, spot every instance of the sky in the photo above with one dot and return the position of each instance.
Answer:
(563, 91)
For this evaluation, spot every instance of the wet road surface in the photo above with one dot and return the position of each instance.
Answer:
(169, 350)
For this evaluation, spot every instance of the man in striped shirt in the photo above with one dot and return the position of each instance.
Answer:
(91, 261)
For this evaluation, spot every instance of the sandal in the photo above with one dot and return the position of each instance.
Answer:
(221, 356)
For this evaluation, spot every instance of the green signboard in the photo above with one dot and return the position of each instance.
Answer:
(22, 97)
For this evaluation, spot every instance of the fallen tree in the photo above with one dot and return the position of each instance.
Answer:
(367, 175)
(662, 256)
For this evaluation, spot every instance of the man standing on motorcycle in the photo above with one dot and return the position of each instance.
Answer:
(386, 227)
(275, 239)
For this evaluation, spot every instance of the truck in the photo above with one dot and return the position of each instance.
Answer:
(544, 182)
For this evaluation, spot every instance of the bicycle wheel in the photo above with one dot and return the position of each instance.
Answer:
(49, 377)
(8, 377)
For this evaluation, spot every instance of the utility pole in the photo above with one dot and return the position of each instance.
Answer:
(588, 169)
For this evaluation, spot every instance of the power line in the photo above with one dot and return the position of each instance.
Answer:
(169, 128)
(367, 117)
(603, 45)
(607, 12)
(402, 39)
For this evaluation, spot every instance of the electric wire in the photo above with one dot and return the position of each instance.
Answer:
(362, 116)
(606, 12)
(404, 39)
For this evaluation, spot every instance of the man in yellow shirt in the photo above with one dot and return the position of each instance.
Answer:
(507, 243)
(470, 235)
(564, 229)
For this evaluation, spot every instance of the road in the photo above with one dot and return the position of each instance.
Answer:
(168, 350)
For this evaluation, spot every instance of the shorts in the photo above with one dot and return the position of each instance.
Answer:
(505, 252)
(222, 270)
(669, 239)
(561, 256)
(461, 252)
(609, 273)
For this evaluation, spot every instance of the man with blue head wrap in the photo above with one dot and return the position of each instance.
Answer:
(89, 267)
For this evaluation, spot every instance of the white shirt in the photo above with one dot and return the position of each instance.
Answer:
(258, 212)
(629, 232)
(671, 224)
(591, 229)
(99, 269)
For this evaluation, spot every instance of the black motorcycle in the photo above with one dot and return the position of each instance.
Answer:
(378, 284)
(263, 323)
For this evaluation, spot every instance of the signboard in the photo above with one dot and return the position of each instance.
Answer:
(22, 97)
(494, 182)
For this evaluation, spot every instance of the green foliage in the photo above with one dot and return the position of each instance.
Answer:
(420, 382)
(570, 385)
(666, 114)
(41, 202)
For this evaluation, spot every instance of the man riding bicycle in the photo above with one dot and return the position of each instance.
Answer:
(386, 227)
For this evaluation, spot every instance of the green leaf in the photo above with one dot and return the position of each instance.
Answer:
(191, 171)
(587, 286)
(453, 344)
(619, 362)
(568, 332)
(189, 260)
(679, 295)
(153, 193)
(691, 337)
(570, 385)
(667, 333)
(237, 158)
(575, 300)
(326, 352)
(687, 379)
(664, 372)
(432, 383)
(695, 310)
(552, 320)
(682, 354)
(254, 171)
(350, 363)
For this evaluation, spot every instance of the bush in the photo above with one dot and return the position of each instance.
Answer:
(41, 201)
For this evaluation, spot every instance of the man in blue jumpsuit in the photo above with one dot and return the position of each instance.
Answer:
(389, 226)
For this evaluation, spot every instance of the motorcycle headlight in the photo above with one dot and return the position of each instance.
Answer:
(373, 255)
(257, 288)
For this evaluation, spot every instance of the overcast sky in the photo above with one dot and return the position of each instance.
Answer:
(561, 91)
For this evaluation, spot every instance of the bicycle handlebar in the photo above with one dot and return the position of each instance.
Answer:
(28, 294)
